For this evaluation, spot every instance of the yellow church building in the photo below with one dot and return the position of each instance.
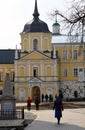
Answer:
(47, 63)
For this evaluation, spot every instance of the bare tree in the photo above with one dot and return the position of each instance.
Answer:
(75, 18)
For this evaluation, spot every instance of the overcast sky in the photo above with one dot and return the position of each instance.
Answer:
(14, 14)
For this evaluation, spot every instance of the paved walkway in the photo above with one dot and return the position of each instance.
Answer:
(73, 119)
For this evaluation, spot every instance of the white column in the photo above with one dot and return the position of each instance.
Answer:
(16, 53)
(55, 70)
(42, 69)
(28, 70)
(29, 44)
(16, 72)
(54, 53)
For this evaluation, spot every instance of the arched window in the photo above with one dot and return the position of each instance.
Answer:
(35, 44)
(35, 71)
(21, 71)
(48, 71)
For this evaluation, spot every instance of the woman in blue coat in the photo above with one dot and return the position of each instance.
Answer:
(58, 107)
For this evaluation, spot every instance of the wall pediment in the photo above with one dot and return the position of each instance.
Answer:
(35, 56)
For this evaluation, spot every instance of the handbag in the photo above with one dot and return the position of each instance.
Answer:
(61, 107)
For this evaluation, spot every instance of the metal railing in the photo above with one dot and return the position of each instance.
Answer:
(14, 114)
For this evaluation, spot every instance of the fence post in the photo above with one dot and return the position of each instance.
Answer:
(22, 112)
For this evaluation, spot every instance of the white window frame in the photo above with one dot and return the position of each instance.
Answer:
(83, 54)
(33, 43)
(35, 66)
(75, 54)
(64, 55)
(35, 71)
(75, 74)
(65, 72)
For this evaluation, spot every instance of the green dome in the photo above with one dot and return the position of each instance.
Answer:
(56, 24)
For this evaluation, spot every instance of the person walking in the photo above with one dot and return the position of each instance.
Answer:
(58, 107)
(42, 97)
(46, 98)
(29, 103)
(37, 102)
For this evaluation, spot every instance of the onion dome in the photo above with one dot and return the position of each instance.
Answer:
(36, 25)
(56, 28)
(56, 24)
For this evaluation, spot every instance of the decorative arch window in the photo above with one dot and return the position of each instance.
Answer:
(75, 54)
(25, 44)
(64, 72)
(46, 43)
(35, 44)
(21, 71)
(35, 71)
(64, 56)
(49, 71)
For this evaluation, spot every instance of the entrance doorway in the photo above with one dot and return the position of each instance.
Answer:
(35, 93)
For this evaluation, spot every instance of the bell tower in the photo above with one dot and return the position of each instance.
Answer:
(56, 27)
(36, 34)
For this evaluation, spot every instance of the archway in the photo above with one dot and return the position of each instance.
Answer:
(35, 93)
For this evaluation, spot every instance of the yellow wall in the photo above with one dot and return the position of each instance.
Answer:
(27, 41)
(70, 63)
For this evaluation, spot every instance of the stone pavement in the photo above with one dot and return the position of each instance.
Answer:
(73, 119)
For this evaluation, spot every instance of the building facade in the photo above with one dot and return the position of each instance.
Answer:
(48, 63)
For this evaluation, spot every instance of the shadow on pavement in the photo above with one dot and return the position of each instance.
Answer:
(44, 125)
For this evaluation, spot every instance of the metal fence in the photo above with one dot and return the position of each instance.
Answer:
(15, 114)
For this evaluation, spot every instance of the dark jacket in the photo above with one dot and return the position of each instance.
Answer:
(58, 106)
